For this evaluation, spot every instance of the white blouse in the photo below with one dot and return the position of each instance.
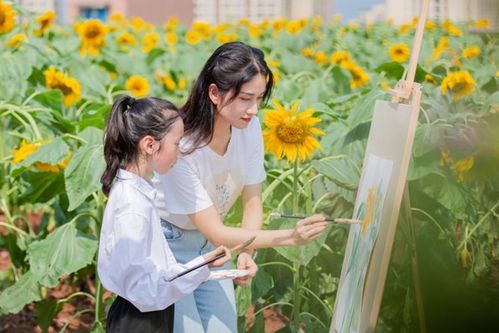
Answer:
(134, 258)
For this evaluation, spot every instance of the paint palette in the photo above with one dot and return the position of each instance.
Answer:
(227, 274)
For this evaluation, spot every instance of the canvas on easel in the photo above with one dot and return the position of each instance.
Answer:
(378, 202)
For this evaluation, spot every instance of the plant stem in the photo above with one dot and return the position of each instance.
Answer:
(296, 265)
(297, 297)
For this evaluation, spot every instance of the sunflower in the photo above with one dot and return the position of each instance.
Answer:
(69, 86)
(117, 17)
(192, 37)
(482, 24)
(399, 52)
(137, 85)
(7, 17)
(441, 47)
(149, 41)
(126, 39)
(462, 167)
(308, 52)
(92, 33)
(293, 27)
(321, 57)
(429, 78)
(254, 31)
(223, 37)
(24, 151)
(45, 21)
(203, 28)
(278, 24)
(171, 38)
(16, 41)
(138, 24)
(289, 133)
(171, 24)
(471, 52)
(459, 83)
(339, 57)
(359, 77)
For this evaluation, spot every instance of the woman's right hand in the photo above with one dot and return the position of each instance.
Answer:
(309, 229)
(219, 262)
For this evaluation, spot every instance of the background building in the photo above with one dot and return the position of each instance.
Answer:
(158, 11)
(402, 11)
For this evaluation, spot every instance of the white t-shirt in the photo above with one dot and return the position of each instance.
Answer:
(205, 178)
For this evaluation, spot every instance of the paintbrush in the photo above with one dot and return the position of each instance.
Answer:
(333, 220)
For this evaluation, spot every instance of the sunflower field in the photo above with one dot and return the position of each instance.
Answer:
(59, 81)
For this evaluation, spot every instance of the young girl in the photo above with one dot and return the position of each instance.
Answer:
(135, 262)
(225, 160)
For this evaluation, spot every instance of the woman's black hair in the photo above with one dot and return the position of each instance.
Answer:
(229, 67)
(129, 121)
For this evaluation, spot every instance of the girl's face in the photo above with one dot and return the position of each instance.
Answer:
(239, 111)
(166, 156)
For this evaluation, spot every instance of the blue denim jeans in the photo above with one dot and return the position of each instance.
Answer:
(211, 308)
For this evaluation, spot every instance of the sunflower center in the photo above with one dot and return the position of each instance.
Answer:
(137, 86)
(399, 52)
(2, 16)
(292, 131)
(66, 90)
(92, 32)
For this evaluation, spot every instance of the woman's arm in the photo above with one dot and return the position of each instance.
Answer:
(208, 222)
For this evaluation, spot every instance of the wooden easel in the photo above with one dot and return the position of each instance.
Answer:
(407, 112)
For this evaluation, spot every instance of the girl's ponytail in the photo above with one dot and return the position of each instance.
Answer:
(114, 130)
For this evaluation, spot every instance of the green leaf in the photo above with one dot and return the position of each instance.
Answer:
(428, 137)
(300, 254)
(43, 186)
(51, 99)
(341, 81)
(155, 53)
(92, 135)
(24, 291)
(362, 110)
(83, 174)
(340, 170)
(392, 70)
(94, 116)
(64, 251)
(51, 153)
(46, 310)
(261, 283)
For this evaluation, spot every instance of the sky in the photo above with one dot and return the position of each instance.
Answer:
(350, 9)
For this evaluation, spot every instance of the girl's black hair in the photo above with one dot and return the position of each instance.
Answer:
(229, 67)
(129, 121)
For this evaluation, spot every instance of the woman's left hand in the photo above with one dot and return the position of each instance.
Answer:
(244, 261)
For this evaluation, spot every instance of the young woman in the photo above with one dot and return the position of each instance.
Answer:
(223, 159)
(135, 261)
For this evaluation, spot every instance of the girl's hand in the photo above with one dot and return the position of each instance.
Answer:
(309, 229)
(219, 262)
(244, 261)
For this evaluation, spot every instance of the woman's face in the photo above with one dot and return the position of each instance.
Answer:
(166, 156)
(239, 111)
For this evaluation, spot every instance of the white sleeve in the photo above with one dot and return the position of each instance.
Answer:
(255, 171)
(137, 278)
(183, 191)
